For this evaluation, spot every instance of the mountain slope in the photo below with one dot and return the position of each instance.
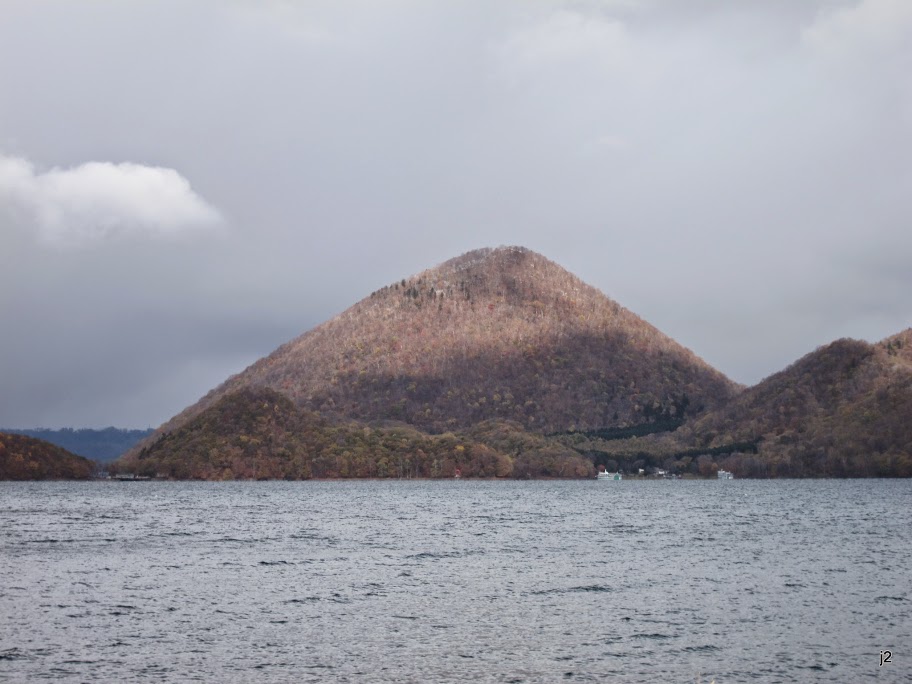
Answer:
(842, 410)
(496, 333)
(27, 458)
(260, 433)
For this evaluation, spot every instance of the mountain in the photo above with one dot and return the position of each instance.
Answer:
(501, 363)
(27, 458)
(493, 334)
(843, 410)
(99, 445)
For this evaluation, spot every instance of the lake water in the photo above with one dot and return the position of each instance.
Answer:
(430, 581)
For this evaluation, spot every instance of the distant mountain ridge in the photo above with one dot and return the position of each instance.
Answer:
(99, 445)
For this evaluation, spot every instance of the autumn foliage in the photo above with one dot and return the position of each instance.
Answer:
(27, 458)
(844, 410)
(261, 434)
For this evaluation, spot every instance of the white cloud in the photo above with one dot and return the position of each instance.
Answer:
(615, 142)
(99, 200)
(301, 22)
(876, 25)
(566, 37)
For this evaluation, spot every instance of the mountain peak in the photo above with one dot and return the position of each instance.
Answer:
(510, 276)
(899, 346)
(502, 257)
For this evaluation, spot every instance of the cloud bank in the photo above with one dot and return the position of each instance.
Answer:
(737, 173)
(99, 200)
(879, 25)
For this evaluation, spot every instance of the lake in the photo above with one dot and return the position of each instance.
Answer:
(440, 581)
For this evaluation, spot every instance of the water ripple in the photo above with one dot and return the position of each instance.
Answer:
(531, 582)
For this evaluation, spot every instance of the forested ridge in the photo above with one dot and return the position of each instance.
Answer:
(843, 410)
(27, 458)
(261, 434)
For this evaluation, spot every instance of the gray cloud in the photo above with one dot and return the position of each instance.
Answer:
(736, 173)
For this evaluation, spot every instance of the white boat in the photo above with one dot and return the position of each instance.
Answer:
(605, 475)
(725, 475)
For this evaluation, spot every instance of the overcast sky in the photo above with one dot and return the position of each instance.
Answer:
(186, 185)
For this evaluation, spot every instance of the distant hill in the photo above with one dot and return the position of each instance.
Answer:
(99, 445)
(844, 410)
(260, 433)
(27, 458)
(494, 334)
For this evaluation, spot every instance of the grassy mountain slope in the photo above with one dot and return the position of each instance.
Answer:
(27, 458)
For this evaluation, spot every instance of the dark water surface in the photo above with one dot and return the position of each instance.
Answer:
(429, 581)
